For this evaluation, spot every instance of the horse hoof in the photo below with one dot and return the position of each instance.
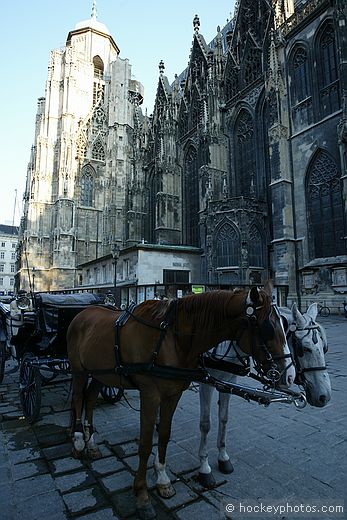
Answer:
(76, 453)
(225, 467)
(166, 490)
(94, 453)
(146, 512)
(206, 480)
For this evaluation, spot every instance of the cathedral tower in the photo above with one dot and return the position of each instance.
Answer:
(80, 162)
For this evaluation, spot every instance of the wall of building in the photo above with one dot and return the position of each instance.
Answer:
(8, 256)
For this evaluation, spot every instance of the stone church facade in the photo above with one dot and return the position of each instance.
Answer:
(244, 157)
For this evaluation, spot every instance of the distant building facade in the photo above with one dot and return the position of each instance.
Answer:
(244, 157)
(8, 256)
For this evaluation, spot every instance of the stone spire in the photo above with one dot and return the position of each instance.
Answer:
(196, 24)
(93, 15)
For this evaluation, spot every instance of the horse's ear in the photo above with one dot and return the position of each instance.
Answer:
(253, 296)
(298, 317)
(312, 311)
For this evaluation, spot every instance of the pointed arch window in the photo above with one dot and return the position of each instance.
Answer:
(87, 181)
(325, 208)
(301, 96)
(245, 154)
(300, 70)
(98, 151)
(98, 67)
(329, 87)
(155, 186)
(255, 247)
(227, 246)
(191, 197)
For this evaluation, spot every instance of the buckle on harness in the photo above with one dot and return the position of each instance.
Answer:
(164, 325)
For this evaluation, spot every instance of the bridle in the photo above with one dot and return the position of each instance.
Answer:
(265, 332)
(298, 349)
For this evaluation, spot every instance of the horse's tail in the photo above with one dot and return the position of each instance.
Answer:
(79, 386)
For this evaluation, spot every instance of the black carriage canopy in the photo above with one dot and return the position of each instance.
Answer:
(63, 306)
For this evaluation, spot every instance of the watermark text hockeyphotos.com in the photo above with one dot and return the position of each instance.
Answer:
(248, 508)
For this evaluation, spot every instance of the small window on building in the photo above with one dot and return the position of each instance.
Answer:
(13, 245)
(1, 281)
(171, 276)
(3, 244)
(11, 281)
(2, 255)
(13, 256)
(12, 268)
(2, 268)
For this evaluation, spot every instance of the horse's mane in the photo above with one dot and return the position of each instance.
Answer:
(211, 307)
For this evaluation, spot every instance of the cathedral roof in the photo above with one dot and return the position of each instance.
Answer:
(92, 23)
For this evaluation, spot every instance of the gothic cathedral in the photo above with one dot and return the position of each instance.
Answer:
(244, 157)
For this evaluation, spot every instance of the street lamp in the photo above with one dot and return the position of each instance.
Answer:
(33, 272)
(115, 256)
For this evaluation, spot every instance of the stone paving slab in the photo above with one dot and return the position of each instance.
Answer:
(278, 452)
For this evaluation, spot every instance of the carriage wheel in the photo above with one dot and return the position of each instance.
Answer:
(30, 389)
(2, 360)
(111, 394)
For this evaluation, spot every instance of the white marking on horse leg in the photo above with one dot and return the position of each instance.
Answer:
(162, 478)
(205, 393)
(91, 442)
(78, 441)
(223, 409)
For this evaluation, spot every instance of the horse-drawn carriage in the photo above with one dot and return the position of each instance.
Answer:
(33, 332)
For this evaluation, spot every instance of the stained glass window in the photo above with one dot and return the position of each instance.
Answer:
(325, 208)
(227, 246)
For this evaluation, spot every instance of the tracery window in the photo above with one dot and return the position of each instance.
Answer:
(325, 208)
(255, 247)
(227, 246)
(98, 151)
(245, 154)
(191, 198)
(87, 186)
(154, 187)
(301, 79)
(301, 96)
(329, 88)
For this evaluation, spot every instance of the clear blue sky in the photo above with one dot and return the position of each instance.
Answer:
(146, 32)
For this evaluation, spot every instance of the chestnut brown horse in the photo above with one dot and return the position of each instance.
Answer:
(157, 334)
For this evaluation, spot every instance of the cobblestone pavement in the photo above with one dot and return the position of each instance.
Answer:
(279, 453)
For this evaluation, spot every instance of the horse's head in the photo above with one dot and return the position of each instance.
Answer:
(309, 345)
(264, 337)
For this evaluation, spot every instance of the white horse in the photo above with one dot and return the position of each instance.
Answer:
(308, 344)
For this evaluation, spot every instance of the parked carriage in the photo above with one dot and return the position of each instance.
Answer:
(33, 331)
